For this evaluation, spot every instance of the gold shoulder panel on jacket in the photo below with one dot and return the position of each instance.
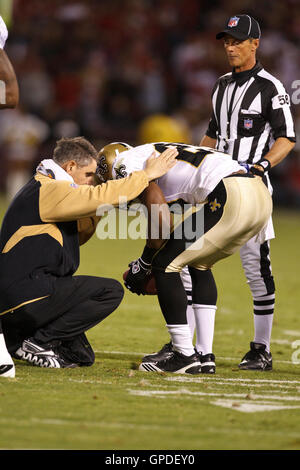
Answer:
(32, 230)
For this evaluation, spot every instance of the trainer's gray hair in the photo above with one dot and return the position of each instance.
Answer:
(76, 148)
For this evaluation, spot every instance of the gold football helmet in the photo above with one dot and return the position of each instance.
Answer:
(106, 158)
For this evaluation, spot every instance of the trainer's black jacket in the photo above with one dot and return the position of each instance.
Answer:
(43, 228)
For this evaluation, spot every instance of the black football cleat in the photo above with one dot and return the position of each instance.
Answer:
(177, 363)
(42, 355)
(257, 358)
(164, 353)
(208, 365)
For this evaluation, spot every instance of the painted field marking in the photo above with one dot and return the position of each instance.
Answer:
(239, 380)
(291, 332)
(281, 341)
(246, 407)
(183, 391)
(235, 401)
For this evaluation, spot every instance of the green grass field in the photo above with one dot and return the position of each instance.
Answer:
(111, 405)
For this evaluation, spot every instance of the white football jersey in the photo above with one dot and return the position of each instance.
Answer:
(197, 172)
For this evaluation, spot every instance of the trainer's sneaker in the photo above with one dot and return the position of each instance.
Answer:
(257, 358)
(177, 363)
(164, 353)
(7, 370)
(208, 365)
(42, 356)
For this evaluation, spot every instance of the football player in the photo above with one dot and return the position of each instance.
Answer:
(225, 205)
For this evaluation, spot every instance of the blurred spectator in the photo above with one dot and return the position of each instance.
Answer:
(99, 68)
(21, 135)
(162, 128)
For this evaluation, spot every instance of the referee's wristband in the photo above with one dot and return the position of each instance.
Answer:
(260, 168)
(266, 164)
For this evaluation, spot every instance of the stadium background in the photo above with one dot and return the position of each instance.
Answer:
(100, 68)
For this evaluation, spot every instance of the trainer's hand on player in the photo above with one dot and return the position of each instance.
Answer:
(159, 166)
(3, 33)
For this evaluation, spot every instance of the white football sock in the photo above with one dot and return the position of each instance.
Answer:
(181, 339)
(5, 357)
(205, 327)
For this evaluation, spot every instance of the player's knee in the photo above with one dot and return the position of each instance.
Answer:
(117, 291)
(111, 292)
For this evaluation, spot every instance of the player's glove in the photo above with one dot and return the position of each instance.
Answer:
(137, 276)
(3, 33)
(139, 272)
(261, 167)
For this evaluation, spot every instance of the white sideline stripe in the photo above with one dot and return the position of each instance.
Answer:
(216, 379)
(241, 384)
(291, 332)
(281, 341)
(215, 382)
(184, 391)
(141, 354)
(250, 407)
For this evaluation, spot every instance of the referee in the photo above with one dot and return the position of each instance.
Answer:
(251, 121)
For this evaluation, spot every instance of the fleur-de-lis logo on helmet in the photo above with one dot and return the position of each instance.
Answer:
(106, 158)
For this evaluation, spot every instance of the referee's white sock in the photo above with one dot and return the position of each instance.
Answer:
(263, 329)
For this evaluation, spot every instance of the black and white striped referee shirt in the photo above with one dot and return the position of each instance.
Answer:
(251, 110)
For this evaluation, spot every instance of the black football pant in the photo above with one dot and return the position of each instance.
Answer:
(77, 304)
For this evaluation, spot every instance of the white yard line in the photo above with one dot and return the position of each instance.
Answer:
(184, 378)
(252, 407)
(183, 391)
(291, 332)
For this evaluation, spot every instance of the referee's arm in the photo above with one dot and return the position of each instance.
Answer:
(279, 150)
(210, 138)
(281, 121)
(207, 141)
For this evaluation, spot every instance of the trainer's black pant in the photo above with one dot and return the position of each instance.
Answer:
(77, 304)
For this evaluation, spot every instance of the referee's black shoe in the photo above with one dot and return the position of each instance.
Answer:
(257, 358)
(164, 353)
(177, 363)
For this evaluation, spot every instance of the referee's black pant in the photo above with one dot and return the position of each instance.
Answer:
(77, 304)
